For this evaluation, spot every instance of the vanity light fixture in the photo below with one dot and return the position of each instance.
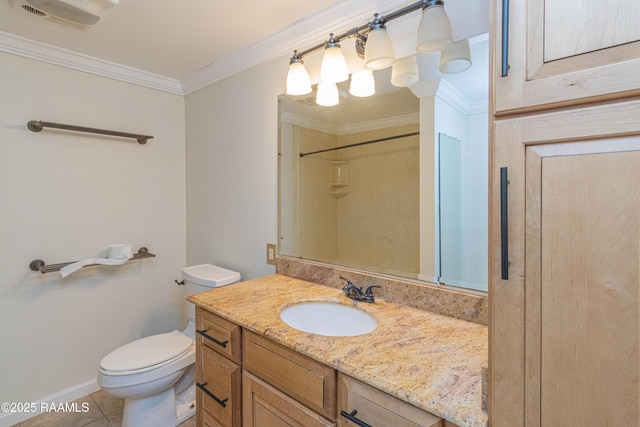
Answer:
(327, 94)
(405, 72)
(373, 43)
(434, 31)
(298, 81)
(378, 53)
(456, 58)
(334, 67)
(362, 83)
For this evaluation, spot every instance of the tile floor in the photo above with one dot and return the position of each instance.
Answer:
(104, 411)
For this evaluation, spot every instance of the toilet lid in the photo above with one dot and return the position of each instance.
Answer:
(146, 352)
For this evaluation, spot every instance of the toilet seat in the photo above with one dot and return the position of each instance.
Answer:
(146, 354)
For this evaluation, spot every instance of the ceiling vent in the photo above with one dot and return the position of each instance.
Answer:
(75, 13)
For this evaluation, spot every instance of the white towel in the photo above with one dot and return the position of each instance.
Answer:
(123, 254)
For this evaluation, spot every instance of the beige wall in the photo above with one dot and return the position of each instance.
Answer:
(232, 169)
(316, 219)
(378, 219)
(68, 196)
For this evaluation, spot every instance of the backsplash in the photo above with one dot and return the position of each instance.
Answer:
(440, 300)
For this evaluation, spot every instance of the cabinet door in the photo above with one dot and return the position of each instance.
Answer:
(566, 52)
(219, 384)
(265, 406)
(587, 220)
(564, 333)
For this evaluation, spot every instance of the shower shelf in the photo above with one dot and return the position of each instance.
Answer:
(39, 265)
(339, 185)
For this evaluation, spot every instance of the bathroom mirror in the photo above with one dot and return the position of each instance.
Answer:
(377, 185)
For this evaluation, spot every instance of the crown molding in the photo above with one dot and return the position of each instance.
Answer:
(27, 48)
(407, 119)
(446, 92)
(458, 101)
(308, 123)
(294, 119)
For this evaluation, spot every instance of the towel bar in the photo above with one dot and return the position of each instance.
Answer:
(37, 125)
(39, 265)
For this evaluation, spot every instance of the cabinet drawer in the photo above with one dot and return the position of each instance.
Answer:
(378, 409)
(300, 377)
(267, 406)
(219, 334)
(219, 381)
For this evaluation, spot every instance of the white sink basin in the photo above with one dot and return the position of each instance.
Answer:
(327, 318)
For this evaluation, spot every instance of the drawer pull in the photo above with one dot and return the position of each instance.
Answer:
(220, 343)
(505, 39)
(504, 223)
(352, 417)
(222, 402)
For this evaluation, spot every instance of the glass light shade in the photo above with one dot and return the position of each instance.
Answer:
(298, 81)
(434, 32)
(405, 72)
(456, 58)
(334, 67)
(327, 94)
(378, 53)
(362, 84)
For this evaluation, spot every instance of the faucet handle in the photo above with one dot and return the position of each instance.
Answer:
(352, 291)
(368, 294)
(347, 280)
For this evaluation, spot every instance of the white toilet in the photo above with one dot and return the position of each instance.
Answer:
(156, 375)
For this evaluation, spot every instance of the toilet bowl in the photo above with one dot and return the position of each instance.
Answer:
(156, 374)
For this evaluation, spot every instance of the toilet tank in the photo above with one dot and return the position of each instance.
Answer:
(204, 277)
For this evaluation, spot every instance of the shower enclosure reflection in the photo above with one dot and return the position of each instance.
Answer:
(356, 206)
(462, 216)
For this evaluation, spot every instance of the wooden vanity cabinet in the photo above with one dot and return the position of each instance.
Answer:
(565, 336)
(564, 256)
(218, 372)
(377, 409)
(565, 53)
(264, 384)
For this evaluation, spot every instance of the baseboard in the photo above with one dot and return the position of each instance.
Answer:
(8, 419)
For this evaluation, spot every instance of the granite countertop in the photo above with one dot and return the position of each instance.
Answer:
(432, 361)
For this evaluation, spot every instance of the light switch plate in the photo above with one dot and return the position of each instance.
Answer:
(271, 254)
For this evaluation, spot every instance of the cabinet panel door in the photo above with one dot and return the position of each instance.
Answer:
(565, 53)
(564, 333)
(589, 248)
(221, 378)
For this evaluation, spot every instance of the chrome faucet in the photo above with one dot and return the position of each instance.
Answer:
(356, 293)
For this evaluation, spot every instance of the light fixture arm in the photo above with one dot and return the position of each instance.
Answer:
(429, 3)
(361, 43)
(332, 42)
(377, 23)
(363, 30)
(295, 58)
